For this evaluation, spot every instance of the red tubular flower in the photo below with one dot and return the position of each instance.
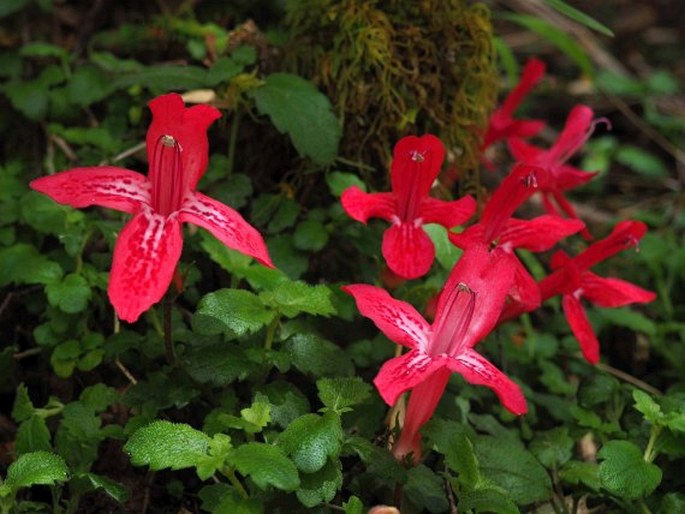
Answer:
(502, 124)
(562, 177)
(573, 281)
(149, 246)
(407, 248)
(498, 231)
(468, 309)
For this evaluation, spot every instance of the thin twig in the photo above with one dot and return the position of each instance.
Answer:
(27, 353)
(127, 153)
(628, 378)
(125, 371)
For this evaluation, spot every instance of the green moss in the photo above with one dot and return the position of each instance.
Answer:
(405, 67)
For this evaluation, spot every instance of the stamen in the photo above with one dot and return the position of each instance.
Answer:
(454, 320)
(417, 156)
(530, 180)
(166, 176)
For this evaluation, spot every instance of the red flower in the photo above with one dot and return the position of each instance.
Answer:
(407, 248)
(497, 230)
(562, 177)
(468, 309)
(502, 124)
(149, 246)
(573, 281)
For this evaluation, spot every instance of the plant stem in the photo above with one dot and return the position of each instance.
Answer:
(168, 337)
(270, 332)
(230, 474)
(650, 451)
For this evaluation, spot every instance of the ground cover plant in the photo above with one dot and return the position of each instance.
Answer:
(339, 256)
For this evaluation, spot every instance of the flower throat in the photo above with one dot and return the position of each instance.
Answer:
(166, 176)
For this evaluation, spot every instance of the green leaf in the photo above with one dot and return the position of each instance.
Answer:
(643, 162)
(560, 39)
(8, 7)
(552, 447)
(294, 297)
(219, 448)
(34, 468)
(23, 408)
(224, 499)
(312, 354)
(625, 473)
(379, 461)
(487, 499)
(22, 264)
(353, 505)
(630, 319)
(647, 406)
(512, 467)
(321, 487)
(310, 235)
(266, 465)
(218, 364)
(223, 71)
(43, 213)
(88, 85)
(71, 294)
(234, 311)
(445, 252)
(41, 49)
(451, 439)
(297, 108)
(426, 490)
(163, 444)
(109, 486)
(338, 181)
(339, 394)
(32, 436)
(287, 402)
(165, 78)
(580, 17)
(311, 440)
(29, 98)
(576, 472)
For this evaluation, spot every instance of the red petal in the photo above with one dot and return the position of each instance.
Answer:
(613, 292)
(447, 214)
(188, 126)
(538, 234)
(626, 234)
(107, 186)
(361, 206)
(477, 370)
(398, 320)
(145, 257)
(576, 131)
(524, 290)
(567, 177)
(405, 372)
(226, 225)
(524, 152)
(423, 400)
(416, 163)
(408, 250)
(581, 328)
(532, 74)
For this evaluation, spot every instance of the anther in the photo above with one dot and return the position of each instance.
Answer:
(417, 156)
(168, 141)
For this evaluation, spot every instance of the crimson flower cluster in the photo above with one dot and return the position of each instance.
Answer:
(488, 285)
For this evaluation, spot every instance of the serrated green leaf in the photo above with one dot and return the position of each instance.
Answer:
(353, 505)
(88, 85)
(310, 235)
(341, 393)
(235, 311)
(321, 487)
(576, 472)
(625, 473)
(287, 402)
(513, 468)
(23, 264)
(294, 297)
(451, 439)
(266, 465)
(487, 499)
(44, 214)
(218, 364)
(311, 440)
(163, 444)
(219, 448)
(580, 17)
(647, 406)
(109, 486)
(379, 461)
(312, 354)
(35, 468)
(338, 181)
(552, 448)
(426, 490)
(23, 408)
(71, 294)
(32, 436)
(224, 499)
(223, 70)
(297, 108)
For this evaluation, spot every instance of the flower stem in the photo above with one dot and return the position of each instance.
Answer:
(270, 332)
(650, 451)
